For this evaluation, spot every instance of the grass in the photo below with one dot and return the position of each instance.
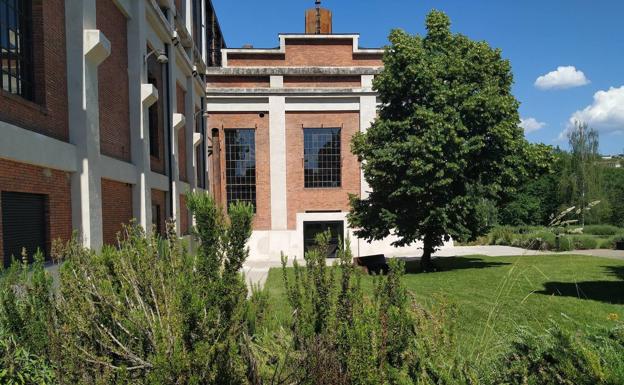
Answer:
(496, 295)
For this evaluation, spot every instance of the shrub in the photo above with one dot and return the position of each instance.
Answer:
(601, 230)
(19, 367)
(541, 240)
(565, 244)
(339, 334)
(560, 357)
(146, 312)
(502, 235)
(584, 242)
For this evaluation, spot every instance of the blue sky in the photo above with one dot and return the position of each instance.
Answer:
(584, 37)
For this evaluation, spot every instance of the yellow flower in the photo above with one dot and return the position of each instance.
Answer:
(613, 317)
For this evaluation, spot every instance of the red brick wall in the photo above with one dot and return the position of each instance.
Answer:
(323, 81)
(160, 198)
(181, 104)
(321, 52)
(21, 177)
(113, 83)
(184, 216)
(116, 208)
(48, 113)
(262, 220)
(300, 199)
(238, 81)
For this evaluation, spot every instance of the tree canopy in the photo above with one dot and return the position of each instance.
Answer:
(446, 138)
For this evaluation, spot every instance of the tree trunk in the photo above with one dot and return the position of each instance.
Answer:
(428, 249)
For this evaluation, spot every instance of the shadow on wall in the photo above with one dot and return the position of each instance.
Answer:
(604, 291)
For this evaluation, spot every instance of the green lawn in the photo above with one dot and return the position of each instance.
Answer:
(495, 295)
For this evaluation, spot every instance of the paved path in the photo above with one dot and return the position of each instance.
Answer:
(256, 271)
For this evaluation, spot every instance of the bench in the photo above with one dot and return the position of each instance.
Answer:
(373, 264)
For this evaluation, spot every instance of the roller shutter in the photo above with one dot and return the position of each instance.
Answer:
(23, 224)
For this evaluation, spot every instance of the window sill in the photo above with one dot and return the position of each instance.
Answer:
(25, 102)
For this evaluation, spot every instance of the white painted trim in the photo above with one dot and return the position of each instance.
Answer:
(277, 162)
(25, 146)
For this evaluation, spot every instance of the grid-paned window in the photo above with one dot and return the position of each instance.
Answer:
(16, 47)
(321, 155)
(240, 166)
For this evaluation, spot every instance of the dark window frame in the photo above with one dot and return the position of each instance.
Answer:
(322, 157)
(240, 187)
(21, 77)
(309, 242)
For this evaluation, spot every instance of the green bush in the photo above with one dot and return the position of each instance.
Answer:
(584, 242)
(541, 240)
(19, 367)
(502, 235)
(565, 244)
(601, 230)
(561, 358)
(341, 334)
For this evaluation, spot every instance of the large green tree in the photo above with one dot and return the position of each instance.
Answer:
(446, 138)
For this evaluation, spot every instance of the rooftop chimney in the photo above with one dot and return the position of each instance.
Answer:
(318, 20)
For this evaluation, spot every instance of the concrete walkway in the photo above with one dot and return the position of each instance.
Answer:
(257, 271)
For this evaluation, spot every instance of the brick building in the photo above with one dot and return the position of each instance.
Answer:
(281, 121)
(101, 116)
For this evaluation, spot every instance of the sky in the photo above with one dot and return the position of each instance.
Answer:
(567, 55)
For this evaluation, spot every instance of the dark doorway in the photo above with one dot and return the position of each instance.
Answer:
(312, 229)
(23, 224)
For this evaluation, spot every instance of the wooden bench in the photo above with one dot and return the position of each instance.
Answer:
(373, 264)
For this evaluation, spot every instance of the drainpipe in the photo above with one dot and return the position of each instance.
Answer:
(203, 144)
(170, 55)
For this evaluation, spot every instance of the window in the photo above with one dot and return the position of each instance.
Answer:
(240, 166)
(24, 224)
(156, 219)
(16, 47)
(154, 123)
(321, 154)
(312, 229)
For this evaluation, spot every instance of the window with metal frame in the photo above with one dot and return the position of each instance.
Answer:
(16, 54)
(312, 229)
(321, 157)
(24, 225)
(240, 166)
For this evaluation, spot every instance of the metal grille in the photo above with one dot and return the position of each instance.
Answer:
(321, 154)
(16, 47)
(240, 166)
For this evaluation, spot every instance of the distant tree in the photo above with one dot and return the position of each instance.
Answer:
(584, 174)
(446, 138)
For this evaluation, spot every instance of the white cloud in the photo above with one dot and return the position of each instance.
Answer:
(531, 124)
(563, 77)
(605, 114)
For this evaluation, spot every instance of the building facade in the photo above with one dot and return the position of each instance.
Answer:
(101, 116)
(281, 122)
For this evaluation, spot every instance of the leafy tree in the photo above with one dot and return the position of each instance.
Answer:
(447, 137)
(584, 177)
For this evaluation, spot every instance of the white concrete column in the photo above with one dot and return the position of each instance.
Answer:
(142, 96)
(87, 48)
(368, 113)
(179, 122)
(277, 157)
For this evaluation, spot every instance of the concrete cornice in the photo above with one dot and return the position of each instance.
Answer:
(268, 71)
(288, 91)
(178, 121)
(197, 139)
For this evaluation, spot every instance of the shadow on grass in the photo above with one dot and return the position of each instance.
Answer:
(603, 291)
(412, 265)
